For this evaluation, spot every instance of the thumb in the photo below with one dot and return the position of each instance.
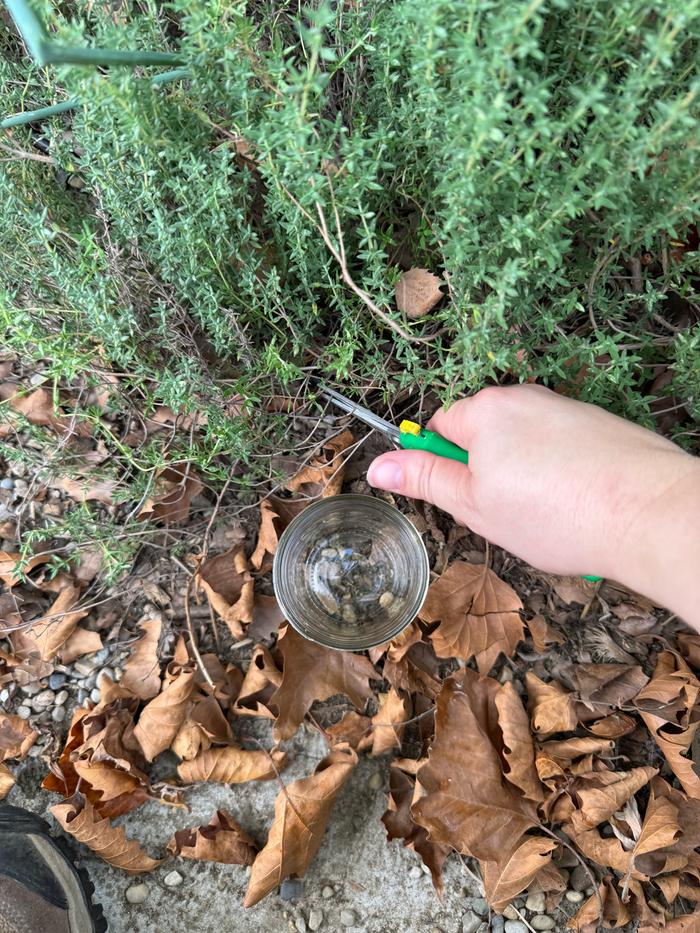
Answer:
(421, 475)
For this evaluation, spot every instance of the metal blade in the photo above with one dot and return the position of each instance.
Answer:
(364, 414)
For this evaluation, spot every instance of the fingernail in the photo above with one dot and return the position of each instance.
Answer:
(386, 474)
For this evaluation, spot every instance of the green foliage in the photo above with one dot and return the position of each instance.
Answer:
(532, 151)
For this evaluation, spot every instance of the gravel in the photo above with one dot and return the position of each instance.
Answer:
(510, 912)
(137, 893)
(315, 919)
(415, 872)
(579, 879)
(61, 697)
(58, 713)
(375, 781)
(348, 918)
(82, 696)
(327, 892)
(542, 922)
(57, 679)
(85, 666)
(497, 924)
(536, 902)
(43, 700)
(480, 906)
(470, 922)
(291, 889)
(7, 483)
(105, 672)
(173, 879)
(95, 695)
(515, 926)
(300, 924)
(574, 897)
(24, 712)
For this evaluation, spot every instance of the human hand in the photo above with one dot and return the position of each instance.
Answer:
(566, 486)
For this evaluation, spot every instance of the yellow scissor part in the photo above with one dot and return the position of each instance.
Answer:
(409, 427)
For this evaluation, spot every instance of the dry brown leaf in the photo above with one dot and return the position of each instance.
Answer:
(506, 878)
(16, 737)
(175, 488)
(87, 488)
(261, 680)
(162, 717)
(81, 641)
(77, 817)
(671, 712)
(221, 840)
(49, 634)
(686, 923)
(261, 558)
(205, 725)
(311, 672)
(654, 850)
(232, 765)
(613, 726)
(7, 781)
(267, 618)
(550, 707)
(229, 587)
(477, 612)
(467, 804)
(38, 408)
(608, 853)
(323, 476)
(572, 589)
(417, 292)
(9, 560)
(689, 647)
(142, 669)
(542, 634)
(353, 728)
(518, 747)
(399, 824)
(608, 792)
(302, 810)
(387, 724)
(603, 686)
(615, 913)
(417, 671)
(565, 751)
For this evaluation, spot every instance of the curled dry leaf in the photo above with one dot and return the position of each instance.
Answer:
(81, 641)
(10, 562)
(221, 840)
(229, 587)
(685, 923)
(302, 810)
(175, 488)
(323, 476)
(77, 817)
(7, 781)
(267, 618)
(542, 634)
(232, 765)
(506, 878)
(518, 747)
(417, 292)
(353, 728)
(142, 669)
(162, 717)
(613, 726)
(387, 724)
(16, 737)
(550, 707)
(614, 913)
(417, 671)
(669, 707)
(261, 680)
(601, 687)
(478, 615)
(399, 823)
(261, 558)
(205, 724)
(311, 672)
(49, 634)
(607, 792)
(660, 831)
(87, 488)
(467, 804)
(38, 408)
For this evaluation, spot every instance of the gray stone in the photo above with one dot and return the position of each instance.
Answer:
(497, 924)
(300, 924)
(327, 892)
(291, 889)
(515, 926)
(31, 689)
(102, 655)
(56, 680)
(137, 893)
(415, 872)
(85, 666)
(510, 912)
(574, 897)
(4, 695)
(18, 468)
(43, 700)
(348, 918)
(315, 920)
(375, 781)
(21, 487)
(61, 697)
(173, 879)
(542, 922)
(579, 879)
(95, 695)
(82, 696)
(105, 672)
(470, 922)
(58, 713)
(7, 483)
(386, 599)
(24, 712)
(480, 906)
(536, 902)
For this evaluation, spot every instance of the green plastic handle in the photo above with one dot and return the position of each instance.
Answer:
(434, 444)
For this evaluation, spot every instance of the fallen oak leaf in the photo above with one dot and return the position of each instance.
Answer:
(302, 810)
(267, 618)
(660, 831)
(78, 817)
(267, 538)
(233, 765)
(478, 615)
(607, 793)
(614, 912)
(518, 747)
(506, 878)
(16, 737)
(417, 292)
(601, 687)
(229, 588)
(162, 716)
(86, 488)
(81, 641)
(542, 634)
(142, 669)
(353, 729)
(387, 723)
(205, 724)
(7, 781)
(613, 726)
(550, 707)
(11, 561)
(685, 923)
(311, 672)
(47, 635)
(220, 840)
(322, 477)
(261, 680)
(175, 487)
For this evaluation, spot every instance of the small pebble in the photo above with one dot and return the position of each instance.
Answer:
(542, 922)
(426, 871)
(375, 781)
(24, 712)
(497, 924)
(85, 666)
(300, 924)
(173, 879)
(7, 483)
(101, 656)
(18, 468)
(95, 695)
(315, 919)
(515, 926)
(291, 889)
(510, 913)
(4, 695)
(31, 689)
(90, 682)
(386, 599)
(61, 697)
(105, 672)
(57, 679)
(136, 894)
(118, 673)
(58, 713)
(535, 902)
(580, 879)
(348, 918)
(327, 892)
(82, 696)
(349, 615)
(43, 700)
(589, 891)
(21, 487)
(574, 897)
(415, 872)
(329, 552)
(470, 922)
(480, 906)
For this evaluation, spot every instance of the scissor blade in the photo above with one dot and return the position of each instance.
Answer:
(364, 414)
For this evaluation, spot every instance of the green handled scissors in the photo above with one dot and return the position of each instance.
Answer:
(409, 435)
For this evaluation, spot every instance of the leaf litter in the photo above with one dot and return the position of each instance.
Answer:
(516, 736)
